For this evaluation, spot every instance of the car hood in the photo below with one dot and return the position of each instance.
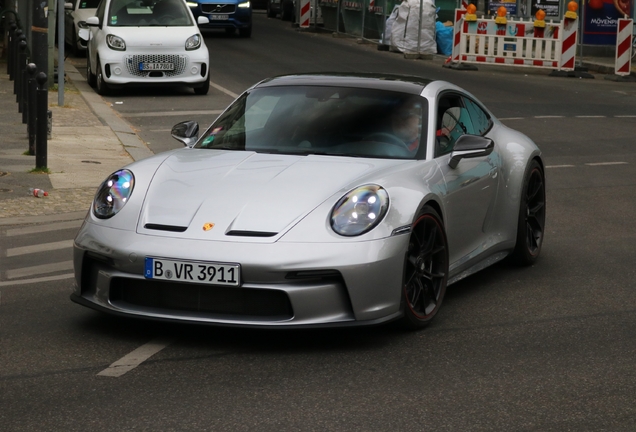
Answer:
(244, 194)
(159, 37)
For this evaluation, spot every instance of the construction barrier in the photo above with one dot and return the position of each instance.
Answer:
(624, 35)
(510, 42)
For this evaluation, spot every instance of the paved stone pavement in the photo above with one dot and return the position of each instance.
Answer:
(88, 142)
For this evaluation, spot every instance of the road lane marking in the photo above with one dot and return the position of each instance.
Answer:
(560, 166)
(224, 90)
(44, 247)
(605, 163)
(39, 269)
(172, 113)
(625, 116)
(548, 117)
(44, 227)
(36, 280)
(135, 358)
(591, 116)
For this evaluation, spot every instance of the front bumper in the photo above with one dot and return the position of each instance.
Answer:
(283, 284)
(123, 67)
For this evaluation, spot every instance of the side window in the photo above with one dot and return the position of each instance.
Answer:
(480, 119)
(452, 122)
(100, 12)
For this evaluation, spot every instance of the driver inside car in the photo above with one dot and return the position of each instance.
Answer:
(406, 122)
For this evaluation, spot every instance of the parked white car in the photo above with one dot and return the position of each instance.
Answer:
(146, 42)
(75, 16)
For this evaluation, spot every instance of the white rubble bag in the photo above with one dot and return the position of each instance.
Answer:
(404, 29)
(386, 36)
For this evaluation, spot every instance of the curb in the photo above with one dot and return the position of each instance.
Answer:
(135, 147)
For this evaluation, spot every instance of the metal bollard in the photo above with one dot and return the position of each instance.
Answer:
(14, 53)
(41, 128)
(32, 88)
(19, 65)
(20, 74)
(23, 95)
(12, 29)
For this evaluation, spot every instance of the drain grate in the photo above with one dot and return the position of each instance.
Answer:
(92, 162)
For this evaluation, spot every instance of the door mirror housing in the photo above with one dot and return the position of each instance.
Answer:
(92, 21)
(203, 20)
(186, 132)
(470, 146)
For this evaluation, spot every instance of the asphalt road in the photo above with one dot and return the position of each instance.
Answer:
(545, 348)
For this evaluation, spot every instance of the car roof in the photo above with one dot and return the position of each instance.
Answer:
(393, 82)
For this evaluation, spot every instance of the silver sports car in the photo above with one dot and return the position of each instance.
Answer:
(315, 200)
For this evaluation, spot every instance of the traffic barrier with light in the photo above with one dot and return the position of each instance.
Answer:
(515, 42)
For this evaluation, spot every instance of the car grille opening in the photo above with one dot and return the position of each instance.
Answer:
(215, 8)
(171, 228)
(241, 233)
(180, 63)
(212, 301)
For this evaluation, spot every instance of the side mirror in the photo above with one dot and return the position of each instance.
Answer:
(68, 6)
(470, 146)
(83, 34)
(92, 21)
(203, 20)
(186, 132)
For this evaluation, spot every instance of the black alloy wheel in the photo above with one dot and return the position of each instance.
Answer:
(425, 270)
(531, 223)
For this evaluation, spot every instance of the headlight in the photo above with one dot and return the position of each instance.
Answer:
(192, 4)
(113, 194)
(115, 42)
(359, 210)
(193, 42)
(244, 5)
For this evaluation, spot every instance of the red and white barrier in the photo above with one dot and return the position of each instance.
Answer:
(305, 14)
(515, 43)
(624, 34)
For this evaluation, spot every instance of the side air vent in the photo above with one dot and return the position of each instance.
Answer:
(238, 233)
(171, 228)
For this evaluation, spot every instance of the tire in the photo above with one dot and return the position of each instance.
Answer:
(425, 270)
(270, 12)
(203, 89)
(531, 219)
(245, 32)
(286, 10)
(101, 86)
(90, 76)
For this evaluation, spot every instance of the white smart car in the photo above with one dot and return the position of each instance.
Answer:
(146, 42)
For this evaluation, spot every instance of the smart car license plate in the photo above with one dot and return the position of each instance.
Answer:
(192, 271)
(156, 66)
(219, 17)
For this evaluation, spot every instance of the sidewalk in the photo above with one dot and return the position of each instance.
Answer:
(88, 142)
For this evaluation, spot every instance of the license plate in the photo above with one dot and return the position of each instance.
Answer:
(156, 66)
(192, 271)
(219, 17)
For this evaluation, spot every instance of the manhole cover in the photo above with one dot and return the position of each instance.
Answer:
(6, 190)
(93, 162)
(2, 174)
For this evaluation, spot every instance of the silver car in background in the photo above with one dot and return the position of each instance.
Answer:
(315, 200)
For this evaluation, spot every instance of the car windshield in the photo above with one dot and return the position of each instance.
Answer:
(339, 121)
(134, 13)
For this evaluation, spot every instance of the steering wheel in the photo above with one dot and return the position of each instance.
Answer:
(387, 138)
